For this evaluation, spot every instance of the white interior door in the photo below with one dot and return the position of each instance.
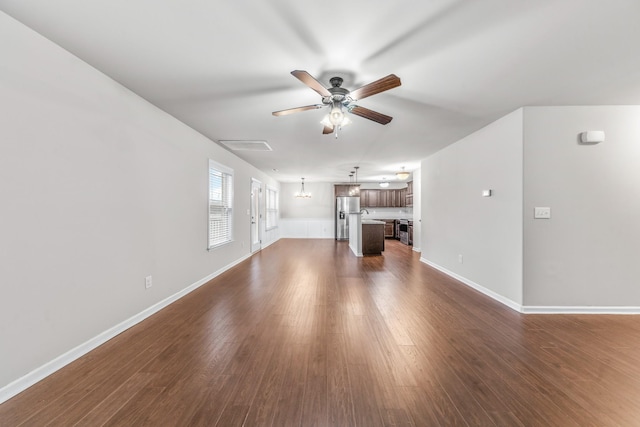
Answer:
(256, 215)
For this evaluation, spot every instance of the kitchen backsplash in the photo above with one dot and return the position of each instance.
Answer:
(388, 213)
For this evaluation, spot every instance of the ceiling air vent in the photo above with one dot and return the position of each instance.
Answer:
(246, 145)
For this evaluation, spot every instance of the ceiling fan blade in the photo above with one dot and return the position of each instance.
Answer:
(371, 115)
(297, 110)
(327, 130)
(310, 81)
(378, 86)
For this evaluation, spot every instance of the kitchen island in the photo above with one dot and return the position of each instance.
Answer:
(366, 237)
(372, 237)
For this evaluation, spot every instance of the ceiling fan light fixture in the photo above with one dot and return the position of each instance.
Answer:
(336, 116)
(346, 121)
(340, 99)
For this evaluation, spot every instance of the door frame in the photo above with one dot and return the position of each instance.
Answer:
(256, 215)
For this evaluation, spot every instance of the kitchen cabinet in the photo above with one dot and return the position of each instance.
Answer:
(389, 228)
(372, 237)
(409, 196)
(403, 198)
(392, 196)
(369, 198)
(347, 190)
(373, 198)
(383, 198)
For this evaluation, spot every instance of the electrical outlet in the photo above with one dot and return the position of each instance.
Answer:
(148, 282)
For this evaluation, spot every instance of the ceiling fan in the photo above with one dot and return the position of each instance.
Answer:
(340, 100)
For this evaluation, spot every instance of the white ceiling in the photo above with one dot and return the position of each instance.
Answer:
(222, 67)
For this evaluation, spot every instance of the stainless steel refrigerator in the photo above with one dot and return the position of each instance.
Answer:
(344, 206)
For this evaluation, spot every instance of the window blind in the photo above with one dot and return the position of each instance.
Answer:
(220, 204)
(272, 208)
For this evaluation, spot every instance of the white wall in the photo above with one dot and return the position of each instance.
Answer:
(582, 259)
(457, 220)
(98, 189)
(416, 211)
(307, 218)
(587, 253)
(320, 205)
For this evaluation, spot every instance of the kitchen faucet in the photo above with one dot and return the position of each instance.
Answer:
(364, 210)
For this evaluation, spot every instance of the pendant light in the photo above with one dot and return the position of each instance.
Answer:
(402, 174)
(303, 194)
(351, 188)
(354, 189)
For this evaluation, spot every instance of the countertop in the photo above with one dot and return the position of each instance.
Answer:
(385, 218)
(372, 221)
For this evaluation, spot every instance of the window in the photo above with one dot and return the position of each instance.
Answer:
(272, 208)
(220, 204)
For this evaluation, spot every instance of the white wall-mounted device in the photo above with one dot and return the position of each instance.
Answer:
(542, 212)
(486, 193)
(592, 137)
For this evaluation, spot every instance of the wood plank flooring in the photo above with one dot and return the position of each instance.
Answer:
(305, 334)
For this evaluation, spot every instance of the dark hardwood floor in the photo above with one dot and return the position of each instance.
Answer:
(305, 334)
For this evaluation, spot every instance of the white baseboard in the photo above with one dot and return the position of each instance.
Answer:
(264, 246)
(538, 309)
(506, 301)
(38, 374)
(532, 309)
(314, 238)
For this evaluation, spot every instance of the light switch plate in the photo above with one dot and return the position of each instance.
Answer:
(542, 213)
